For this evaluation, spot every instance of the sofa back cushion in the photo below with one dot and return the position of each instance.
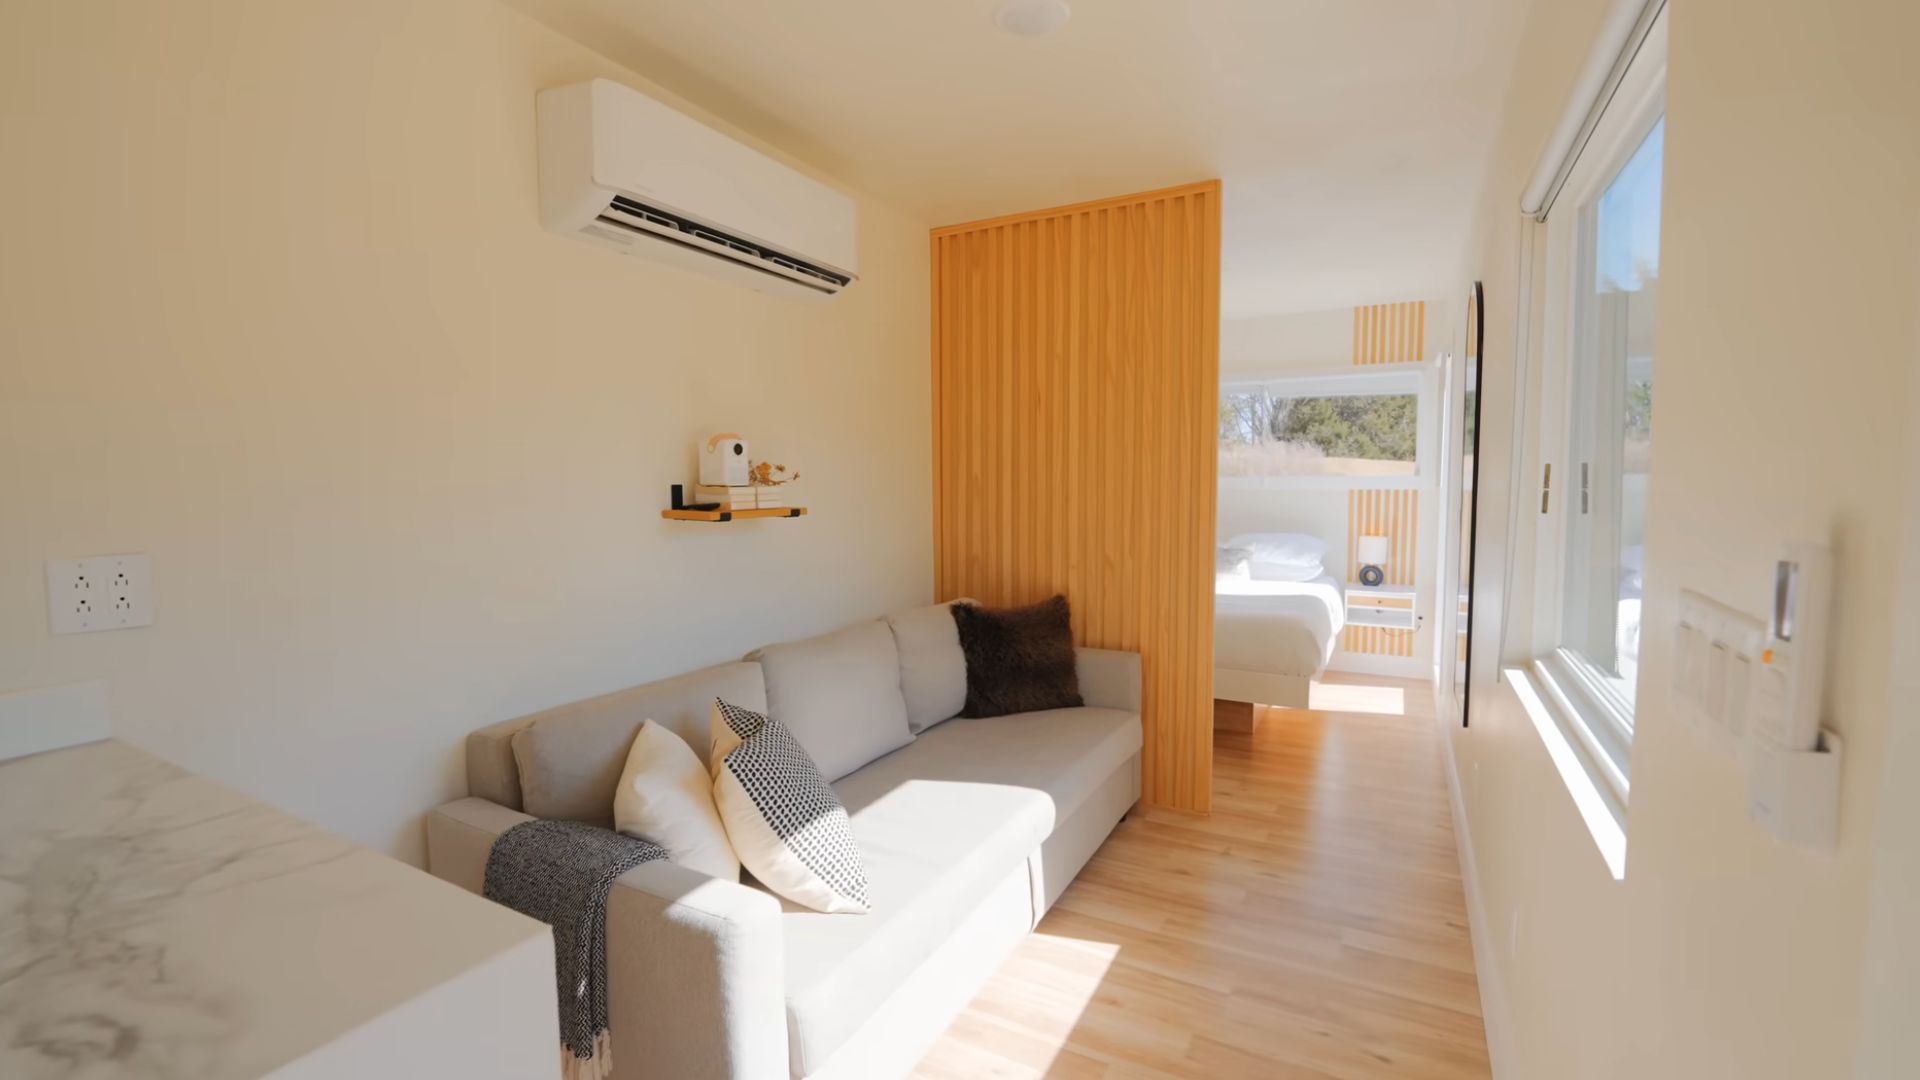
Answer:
(933, 670)
(839, 694)
(569, 758)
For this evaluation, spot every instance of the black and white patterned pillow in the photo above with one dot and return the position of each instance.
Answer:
(786, 824)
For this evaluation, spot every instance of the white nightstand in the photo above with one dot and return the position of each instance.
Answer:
(1387, 606)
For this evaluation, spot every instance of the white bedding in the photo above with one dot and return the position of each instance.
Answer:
(1276, 627)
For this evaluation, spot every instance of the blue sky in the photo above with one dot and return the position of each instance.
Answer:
(1629, 221)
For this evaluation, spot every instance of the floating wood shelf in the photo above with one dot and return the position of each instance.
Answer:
(733, 515)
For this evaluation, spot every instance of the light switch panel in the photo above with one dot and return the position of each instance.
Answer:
(106, 592)
(1719, 649)
(1739, 689)
(1716, 688)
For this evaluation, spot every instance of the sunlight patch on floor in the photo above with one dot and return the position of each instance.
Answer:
(1349, 697)
(1312, 925)
(1048, 986)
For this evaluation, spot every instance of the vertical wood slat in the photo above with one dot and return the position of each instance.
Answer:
(1390, 333)
(1076, 382)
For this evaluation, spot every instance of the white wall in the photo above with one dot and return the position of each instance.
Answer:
(1788, 282)
(275, 308)
(1890, 984)
(1321, 513)
(1276, 344)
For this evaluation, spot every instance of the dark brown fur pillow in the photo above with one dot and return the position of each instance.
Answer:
(1018, 659)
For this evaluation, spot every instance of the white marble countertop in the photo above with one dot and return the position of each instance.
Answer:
(156, 924)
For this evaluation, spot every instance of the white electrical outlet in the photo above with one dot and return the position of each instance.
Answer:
(107, 592)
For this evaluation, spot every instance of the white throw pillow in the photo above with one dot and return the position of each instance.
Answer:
(933, 669)
(666, 796)
(787, 825)
(1282, 549)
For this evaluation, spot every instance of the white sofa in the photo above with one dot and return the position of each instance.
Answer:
(969, 832)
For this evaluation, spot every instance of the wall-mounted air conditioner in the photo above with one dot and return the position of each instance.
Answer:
(620, 169)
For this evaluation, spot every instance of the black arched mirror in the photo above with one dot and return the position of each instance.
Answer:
(1467, 468)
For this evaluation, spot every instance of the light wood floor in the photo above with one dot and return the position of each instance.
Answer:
(1312, 926)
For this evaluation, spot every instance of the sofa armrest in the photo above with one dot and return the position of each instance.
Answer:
(696, 976)
(460, 836)
(1109, 678)
(695, 966)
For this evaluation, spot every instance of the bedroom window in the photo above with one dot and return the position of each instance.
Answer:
(1602, 246)
(1358, 430)
(1610, 441)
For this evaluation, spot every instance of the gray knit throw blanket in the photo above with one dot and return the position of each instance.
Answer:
(560, 873)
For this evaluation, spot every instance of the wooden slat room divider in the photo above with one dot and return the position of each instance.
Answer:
(1076, 386)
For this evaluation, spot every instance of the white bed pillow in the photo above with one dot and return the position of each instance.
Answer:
(1260, 571)
(1232, 561)
(1282, 549)
(666, 796)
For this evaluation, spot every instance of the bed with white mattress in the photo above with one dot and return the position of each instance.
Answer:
(1271, 639)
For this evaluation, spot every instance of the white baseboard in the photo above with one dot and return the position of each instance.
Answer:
(1495, 1015)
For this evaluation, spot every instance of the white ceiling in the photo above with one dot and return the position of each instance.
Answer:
(1351, 134)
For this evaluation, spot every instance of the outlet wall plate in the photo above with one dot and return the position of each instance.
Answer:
(105, 592)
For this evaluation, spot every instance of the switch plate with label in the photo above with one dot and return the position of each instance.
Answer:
(1719, 649)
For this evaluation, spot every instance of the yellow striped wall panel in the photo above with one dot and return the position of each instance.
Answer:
(1394, 514)
(1076, 384)
(1386, 334)
(1390, 333)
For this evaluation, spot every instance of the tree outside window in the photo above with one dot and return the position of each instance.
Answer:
(1263, 434)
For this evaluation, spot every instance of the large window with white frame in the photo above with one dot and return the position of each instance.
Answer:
(1347, 429)
(1602, 247)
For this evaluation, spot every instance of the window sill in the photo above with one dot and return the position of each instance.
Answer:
(1561, 730)
(1593, 713)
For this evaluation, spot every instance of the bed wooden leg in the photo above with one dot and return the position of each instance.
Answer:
(1235, 715)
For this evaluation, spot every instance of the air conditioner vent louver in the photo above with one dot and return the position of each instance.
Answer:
(633, 174)
(634, 215)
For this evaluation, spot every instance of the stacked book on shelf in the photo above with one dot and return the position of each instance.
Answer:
(743, 497)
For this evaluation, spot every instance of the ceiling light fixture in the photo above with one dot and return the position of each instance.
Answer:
(1031, 18)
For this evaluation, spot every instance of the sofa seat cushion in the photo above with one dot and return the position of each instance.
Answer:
(1064, 754)
(934, 850)
(939, 822)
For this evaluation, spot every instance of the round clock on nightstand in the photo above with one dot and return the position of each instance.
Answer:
(1371, 576)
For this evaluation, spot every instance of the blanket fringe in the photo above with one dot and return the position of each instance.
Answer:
(597, 1067)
